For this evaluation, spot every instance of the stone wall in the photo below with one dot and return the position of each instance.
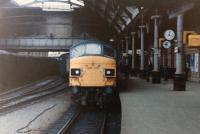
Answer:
(19, 70)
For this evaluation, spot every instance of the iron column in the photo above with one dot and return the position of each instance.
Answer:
(133, 50)
(127, 44)
(156, 73)
(179, 80)
(122, 46)
(142, 58)
(179, 58)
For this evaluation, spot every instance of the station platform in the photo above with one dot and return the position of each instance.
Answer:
(35, 118)
(157, 109)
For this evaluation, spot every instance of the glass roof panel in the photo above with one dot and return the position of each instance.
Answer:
(134, 11)
(51, 5)
(23, 2)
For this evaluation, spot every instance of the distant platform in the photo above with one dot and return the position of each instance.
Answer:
(157, 109)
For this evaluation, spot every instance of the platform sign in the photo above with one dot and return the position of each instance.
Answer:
(194, 41)
(130, 52)
(194, 62)
(185, 36)
(138, 52)
(124, 54)
(196, 68)
(176, 50)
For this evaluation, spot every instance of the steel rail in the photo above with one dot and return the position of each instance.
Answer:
(103, 124)
(36, 85)
(26, 92)
(89, 122)
(66, 121)
(32, 96)
(68, 124)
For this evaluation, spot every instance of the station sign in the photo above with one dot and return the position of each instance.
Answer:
(124, 54)
(130, 52)
(138, 51)
(194, 41)
(186, 34)
(176, 50)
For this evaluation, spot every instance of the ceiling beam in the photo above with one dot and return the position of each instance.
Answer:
(180, 10)
(107, 6)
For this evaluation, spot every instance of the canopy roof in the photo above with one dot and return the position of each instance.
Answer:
(51, 5)
(118, 13)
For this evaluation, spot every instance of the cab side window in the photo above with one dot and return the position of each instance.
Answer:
(108, 51)
(77, 51)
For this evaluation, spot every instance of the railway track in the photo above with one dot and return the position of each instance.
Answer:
(14, 99)
(80, 121)
(28, 91)
(31, 86)
(89, 120)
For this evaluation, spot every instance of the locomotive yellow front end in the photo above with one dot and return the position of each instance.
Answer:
(92, 72)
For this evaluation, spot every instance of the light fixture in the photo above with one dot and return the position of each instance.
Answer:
(111, 40)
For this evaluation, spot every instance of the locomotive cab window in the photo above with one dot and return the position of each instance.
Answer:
(93, 49)
(77, 51)
(86, 49)
(108, 51)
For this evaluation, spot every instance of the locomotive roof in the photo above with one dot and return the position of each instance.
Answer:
(92, 41)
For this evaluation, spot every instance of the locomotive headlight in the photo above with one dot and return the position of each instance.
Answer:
(75, 72)
(109, 72)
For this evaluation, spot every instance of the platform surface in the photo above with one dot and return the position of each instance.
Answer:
(156, 109)
(11, 122)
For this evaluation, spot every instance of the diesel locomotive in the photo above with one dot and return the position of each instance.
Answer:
(92, 72)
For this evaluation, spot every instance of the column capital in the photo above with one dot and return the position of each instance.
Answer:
(155, 17)
(133, 33)
(142, 26)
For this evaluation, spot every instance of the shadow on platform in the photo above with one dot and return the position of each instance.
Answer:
(126, 85)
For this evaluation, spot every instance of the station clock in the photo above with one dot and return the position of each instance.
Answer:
(169, 34)
(166, 44)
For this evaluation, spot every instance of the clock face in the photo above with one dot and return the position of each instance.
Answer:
(169, 35)
(166, 44)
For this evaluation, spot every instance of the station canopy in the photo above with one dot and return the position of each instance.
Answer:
(113, 11)
(116, 12)
(51, 5)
